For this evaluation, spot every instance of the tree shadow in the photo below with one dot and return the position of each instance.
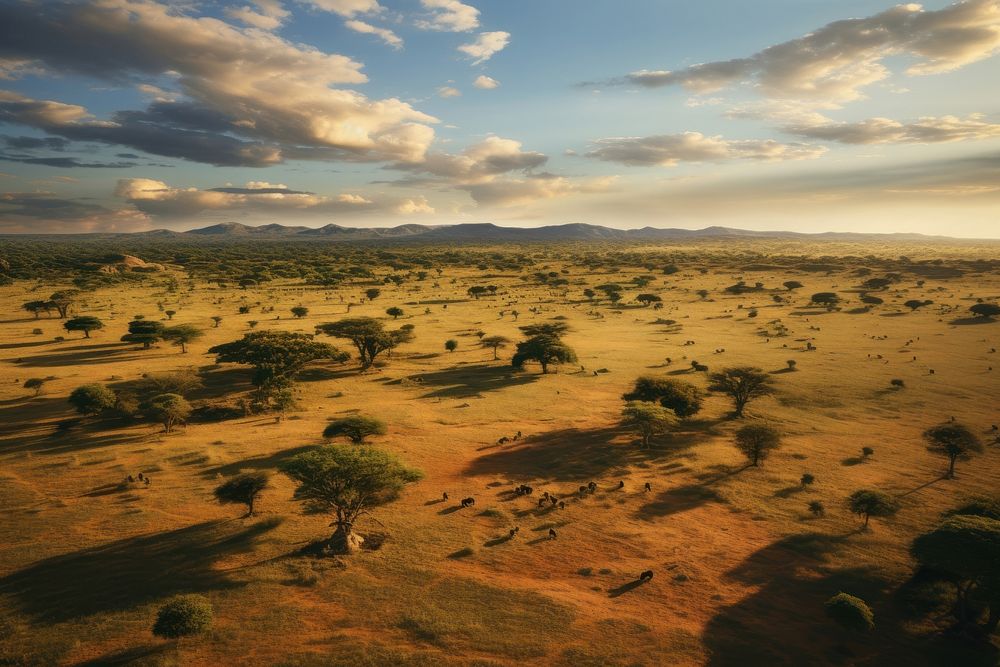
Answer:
(678, 499)
(86, 355)
(129, 656)
(124, 574)
(578, 455)
(789, 491)
(852, 461)
(33, 426)
(16, 346)
(469, 381)
(793, 580)
(625, 588)
(269, 462)
(964, 321)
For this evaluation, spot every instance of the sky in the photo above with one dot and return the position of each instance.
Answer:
(856, 115)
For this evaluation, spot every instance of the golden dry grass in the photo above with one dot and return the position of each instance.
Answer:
(741, 567)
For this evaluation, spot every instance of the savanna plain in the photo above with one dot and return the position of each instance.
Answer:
(861, 354)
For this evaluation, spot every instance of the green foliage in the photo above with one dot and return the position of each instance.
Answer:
(954, 441)
(551, 329)
(169, 410)
(275, 356)
(828, 299)
(35, 384)
(648, 419)
(544, 350)
(347, 482)
(243, 489)
(850, 612)
(182, 616)
(494, 342)
(63, 300)
(394, 312)
(37, 307)
(92, 399)
(373, 293)
(647, 299)
(451, 345)
(757, 441)
(683, 398)
(300, 311)
(792, 285)
(355, 427)
(867, 503)
(146, 332)
(741, 383)
(84, 323)
(368, 335)
(182, 335)
(985, 310)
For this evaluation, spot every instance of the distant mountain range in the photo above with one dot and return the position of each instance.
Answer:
(488, 232)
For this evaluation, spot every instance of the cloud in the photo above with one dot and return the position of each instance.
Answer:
(480, 162)
(417, 205)
(271, 16)
(486, 82)
(347, 8)
(276, 98)
(44, 212)
(668, 150)
(838, 60)
(926, 130)
(449, 91)
(449, 16)
(485, 46)
(523, 191)
(387, 36)
(349, 198)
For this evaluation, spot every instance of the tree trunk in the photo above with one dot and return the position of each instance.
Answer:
(951, 467)
(183, 348)
(250, 505)
(86, 333)
(867, 516)
(344, 540)
(495, 355)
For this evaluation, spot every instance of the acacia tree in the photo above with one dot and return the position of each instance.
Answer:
(369, 336)
(495, 342)
(757, 441)
(36, 307)
(828, 299)
(867, 503)
(84, 323)
(965, 550)
(792, 285)
(647, 299)
(682, 397)
(544, 350)
(347, 482)
(300, 311)
(955, 441)
(985, 310)
(394, 312)
(355, 428)
(741, 383)
(182, 334)
(63, 300)
(92, 399)
(243, 489)
(648, 419)
(169, 410)
(276, 356)
(146, 332)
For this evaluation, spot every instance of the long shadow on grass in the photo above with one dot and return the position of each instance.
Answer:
(468, 381)
(269, 462)
(33, 425)
(579, 455)
(87, 355)
(130, 572)
(793, 578)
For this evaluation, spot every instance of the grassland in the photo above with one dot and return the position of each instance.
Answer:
(741, 566)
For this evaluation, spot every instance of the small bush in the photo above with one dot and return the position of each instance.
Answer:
(182, 616)
(850, 612)
(896, 382)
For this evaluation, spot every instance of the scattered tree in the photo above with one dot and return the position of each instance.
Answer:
(867, 503)
(807, 479)
(243, 489)
(495, 342)
(985, 310)
(170, 314)
(92, 399)
(954, 441)
(828, 299)
(84, 323)
(741, 383)
(544, 350)
(368, 335)
(792, 285)
(395, 312)
(347, 482)
(300, 311)
(648, 419)
(35, 384)
(36, 307)
(63, 300)
(216, 321)
(757, 441)
(683, 398)
(355, 428)
(914, 304)
(169, 410)
(647, 299)
(182, 335)
(373, 293)
(146, 332)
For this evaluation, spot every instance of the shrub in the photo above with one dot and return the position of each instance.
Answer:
(807, 479)
(355, 428)
(817, 508)
(182, 616)
(92, 399)
(683, 398)
(850, 612)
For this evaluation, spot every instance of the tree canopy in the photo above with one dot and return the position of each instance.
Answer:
(741, 383)
(355, 428)
(954, 441)
(682, 397)
(368, 335)
(648, 419)
(84, 323)
(275, 355)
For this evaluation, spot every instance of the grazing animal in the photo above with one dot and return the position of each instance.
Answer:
(552, 534)
(621, 484)
(444, 496)
(562, 505)
(541, 502)
(468, 502)
(592, 486)
(583, 490)
(503, 441)
(649, 487)
(552, 499)
(514, 531)
(646, 576)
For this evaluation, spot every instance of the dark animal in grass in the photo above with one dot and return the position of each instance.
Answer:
(553, 500)
(541, 502)
(468, 502)
(552, 534)
(648, 487)
(583, 490)
(621, 485)
(592, 486)
(646, 576)
(562, 505)
(514, 531)
(444, 496)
